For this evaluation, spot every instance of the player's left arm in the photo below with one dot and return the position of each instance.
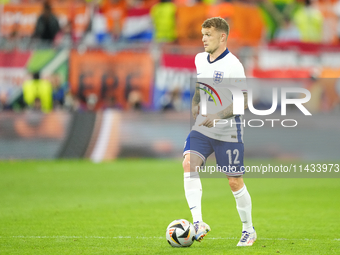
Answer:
(223, 114)
(228, 112)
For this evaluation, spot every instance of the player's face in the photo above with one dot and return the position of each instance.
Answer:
(211, 39)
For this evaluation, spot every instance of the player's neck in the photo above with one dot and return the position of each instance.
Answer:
(216, 53)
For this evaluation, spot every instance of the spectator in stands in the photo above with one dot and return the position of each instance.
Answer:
(73, 103)
(275, 13)
(58, 92)
(288, 32)
(13, 38)
(97, 30)
(38, 92)
(110, 103)
(36, 105)
(164, 19)
(65, 37)
(115, 11)
(134, 100)
(172, 100)
(91, 102)
(47, 25)
(309, 21)
(99, 25)
(4, 101)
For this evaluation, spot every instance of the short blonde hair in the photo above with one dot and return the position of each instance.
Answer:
(218, 23)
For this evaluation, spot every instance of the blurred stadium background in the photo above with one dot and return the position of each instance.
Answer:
(111, 78)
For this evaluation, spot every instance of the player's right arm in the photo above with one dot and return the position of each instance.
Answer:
(195, 104)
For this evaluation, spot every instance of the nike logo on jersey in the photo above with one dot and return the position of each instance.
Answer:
(192, 207)
(198, 74)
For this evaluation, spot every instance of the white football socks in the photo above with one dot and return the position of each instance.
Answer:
(243, 205)
(193, 194)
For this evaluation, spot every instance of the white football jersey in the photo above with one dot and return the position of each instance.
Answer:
(213, 78)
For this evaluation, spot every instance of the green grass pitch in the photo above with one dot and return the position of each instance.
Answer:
(124, 207)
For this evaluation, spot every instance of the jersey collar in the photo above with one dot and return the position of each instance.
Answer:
(219, 57)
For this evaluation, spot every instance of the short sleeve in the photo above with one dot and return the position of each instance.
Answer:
(238, 77)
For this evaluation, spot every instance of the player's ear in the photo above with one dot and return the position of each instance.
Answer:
(223, 37)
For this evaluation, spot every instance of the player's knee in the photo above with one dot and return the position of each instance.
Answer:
(191, 164)
(186, 163)
(236, 183)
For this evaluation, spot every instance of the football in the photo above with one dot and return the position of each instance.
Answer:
(180, 233)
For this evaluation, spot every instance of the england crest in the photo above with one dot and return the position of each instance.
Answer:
(218, 76)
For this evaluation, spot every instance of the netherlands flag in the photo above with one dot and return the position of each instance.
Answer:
(138, 25)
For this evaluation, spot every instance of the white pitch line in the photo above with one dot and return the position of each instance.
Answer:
(151, 237)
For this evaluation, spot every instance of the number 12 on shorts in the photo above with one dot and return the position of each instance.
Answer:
(236, 153)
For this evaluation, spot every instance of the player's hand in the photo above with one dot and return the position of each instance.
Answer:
(195, 111)
(209, 120)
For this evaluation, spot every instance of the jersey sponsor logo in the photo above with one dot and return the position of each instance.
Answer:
(218, 77)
